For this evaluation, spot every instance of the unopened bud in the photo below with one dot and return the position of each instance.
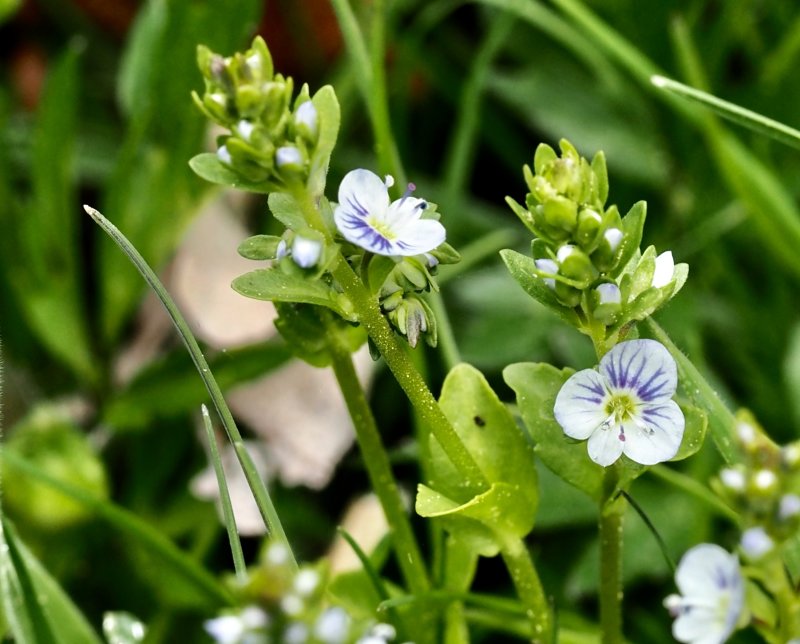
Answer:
(664, 270)
(733, 479)
(223, 155)
(576, 265)
(755, 542)
(789, 506)
(606, 300)
(306, 252)
(561, 214)
(589, 222)
(549, 267)
(289, 158)
(306, 121)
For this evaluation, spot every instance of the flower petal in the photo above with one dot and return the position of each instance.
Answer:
(606, 445)
(420, 237)
(706, 570)
(363, 194)
(643, 367)
(404, 211)
(699, 625)
(580, 404)
(664, 270)
(657, 435)
(356, 230)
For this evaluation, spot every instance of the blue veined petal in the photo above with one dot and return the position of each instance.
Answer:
(357, 230)
(643, 367)
(362, 194)
(710, 580)
(606, 444)
(420, 237)
(580, 404)
(656, 434)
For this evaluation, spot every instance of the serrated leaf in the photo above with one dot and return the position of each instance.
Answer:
(208, 166)
(277, 286)
(536, 386)
(522, 270)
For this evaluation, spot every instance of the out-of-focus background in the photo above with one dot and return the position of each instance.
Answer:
(95, 108)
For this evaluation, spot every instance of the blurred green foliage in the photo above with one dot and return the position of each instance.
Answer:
(474, 87)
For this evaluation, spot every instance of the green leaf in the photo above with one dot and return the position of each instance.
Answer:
(536, 387)
(504, 456)
(632, 227)
(259, 247)
(694, 433)
(37, 609)
(208, 166)
(329, 117)
(285, 209)
(522, 269)
(275, 285)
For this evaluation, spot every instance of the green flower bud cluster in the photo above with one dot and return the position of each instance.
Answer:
(584, 252)
(765, 487)
(283, 604)
(401, 281)
(271, 137)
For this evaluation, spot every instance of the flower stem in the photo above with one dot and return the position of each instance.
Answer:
(611, 514)
(529, 588)
(369, 314)
(379, 469)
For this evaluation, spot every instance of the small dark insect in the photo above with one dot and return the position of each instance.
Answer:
(479, 421)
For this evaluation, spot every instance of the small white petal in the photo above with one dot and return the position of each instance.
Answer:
(227, 629)
(306, 252)
(333, 626)
(223, 155)
(657, 435)
(306, 114)
(609, 293)
(306, 582)
(277, 554)
(282, 250)
(642, 367)
(765, 479)
(385, 631)
(292, 605)
(789, 506)
(254, 617)
(733, 479)
(755, 542)
(296, 633)
(550, 267)
(565, 251)
(389, 181)
(705, 569)
(580, 404)
(746, 433)
(420, 237)
(613, 236)
(363, 194)
(605, 446)
(288, 155)
(245, 129)
(665, 269)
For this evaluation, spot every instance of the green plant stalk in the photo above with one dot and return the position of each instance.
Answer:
(409, 556)
(776, 580)
(225, 499)
(371, 76)
(131, 524)
(383, 336)
(529, 587)
(612, 511)
(262, 498)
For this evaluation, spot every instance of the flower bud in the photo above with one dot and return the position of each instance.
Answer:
(567, 295)
(289, 159)
(664, 270)
(755, 542)
(560, 214)
(589, 222)
(576, 265)
(306, 252)
(789, 506)
(306, 121)
(606, 301)
(550, 267)
(604, 256)
(223, 155)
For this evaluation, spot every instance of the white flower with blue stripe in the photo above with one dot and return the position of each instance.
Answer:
(712, 596)
(366, 217)
(626, 407)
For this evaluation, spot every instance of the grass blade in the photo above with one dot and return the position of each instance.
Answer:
(263, 500)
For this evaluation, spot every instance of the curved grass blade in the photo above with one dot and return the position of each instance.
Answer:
(263, 500)
(225, 499)
(732, 112)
